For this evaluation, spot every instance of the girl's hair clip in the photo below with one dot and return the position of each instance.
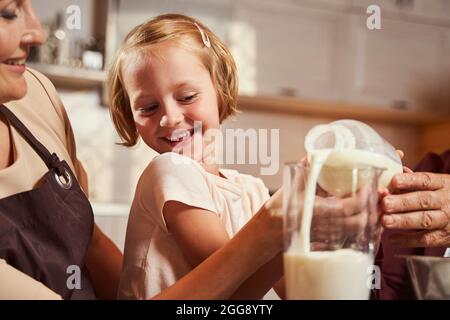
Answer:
(205, 37)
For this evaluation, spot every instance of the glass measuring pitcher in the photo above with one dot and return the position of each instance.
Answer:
(341, 240)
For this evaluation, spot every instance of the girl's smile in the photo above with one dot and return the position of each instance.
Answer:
(179, 138)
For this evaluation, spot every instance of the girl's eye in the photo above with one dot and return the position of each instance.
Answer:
(11, 12)
(148, 109)
(189, 98)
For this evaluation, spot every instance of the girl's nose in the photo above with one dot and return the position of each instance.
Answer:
(33, 34)
(172, 117)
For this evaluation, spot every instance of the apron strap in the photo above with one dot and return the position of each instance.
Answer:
(50, 159)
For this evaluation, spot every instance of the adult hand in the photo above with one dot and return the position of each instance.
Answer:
(418, 201)
(339, 219)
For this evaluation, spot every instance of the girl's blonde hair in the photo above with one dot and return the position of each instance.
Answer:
(216, 58)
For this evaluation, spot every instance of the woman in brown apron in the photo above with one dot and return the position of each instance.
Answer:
(47, 230)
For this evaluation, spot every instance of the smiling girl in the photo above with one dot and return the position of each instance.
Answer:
(171, 74)
(45, 225)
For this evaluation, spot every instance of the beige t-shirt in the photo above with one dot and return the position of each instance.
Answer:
(16, 285)
(152, 259)
(43, 114)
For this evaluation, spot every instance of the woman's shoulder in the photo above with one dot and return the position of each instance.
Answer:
(40, 109)
(40, 86)
(34, 75)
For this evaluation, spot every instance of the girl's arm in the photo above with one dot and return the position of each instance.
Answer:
(224, 271)
(270, 275)
(104, 263)
(257, 285)
(198, 232)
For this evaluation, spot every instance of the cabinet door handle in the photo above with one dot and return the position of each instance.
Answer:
(402, 4)
(400, 104)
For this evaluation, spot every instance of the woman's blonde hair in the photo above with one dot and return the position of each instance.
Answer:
(216, 58)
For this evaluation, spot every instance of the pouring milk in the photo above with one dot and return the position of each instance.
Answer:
(339, 274)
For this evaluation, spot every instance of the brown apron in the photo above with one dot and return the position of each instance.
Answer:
(46, 232)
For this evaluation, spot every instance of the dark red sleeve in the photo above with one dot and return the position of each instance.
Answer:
(395, 281)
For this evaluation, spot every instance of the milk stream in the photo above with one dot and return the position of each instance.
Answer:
(317, 160)
(340, 274)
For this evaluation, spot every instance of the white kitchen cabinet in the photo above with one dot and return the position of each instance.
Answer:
(399, 65)
(281, 48)
(427, 11)
(319, 4)
(294, 48)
